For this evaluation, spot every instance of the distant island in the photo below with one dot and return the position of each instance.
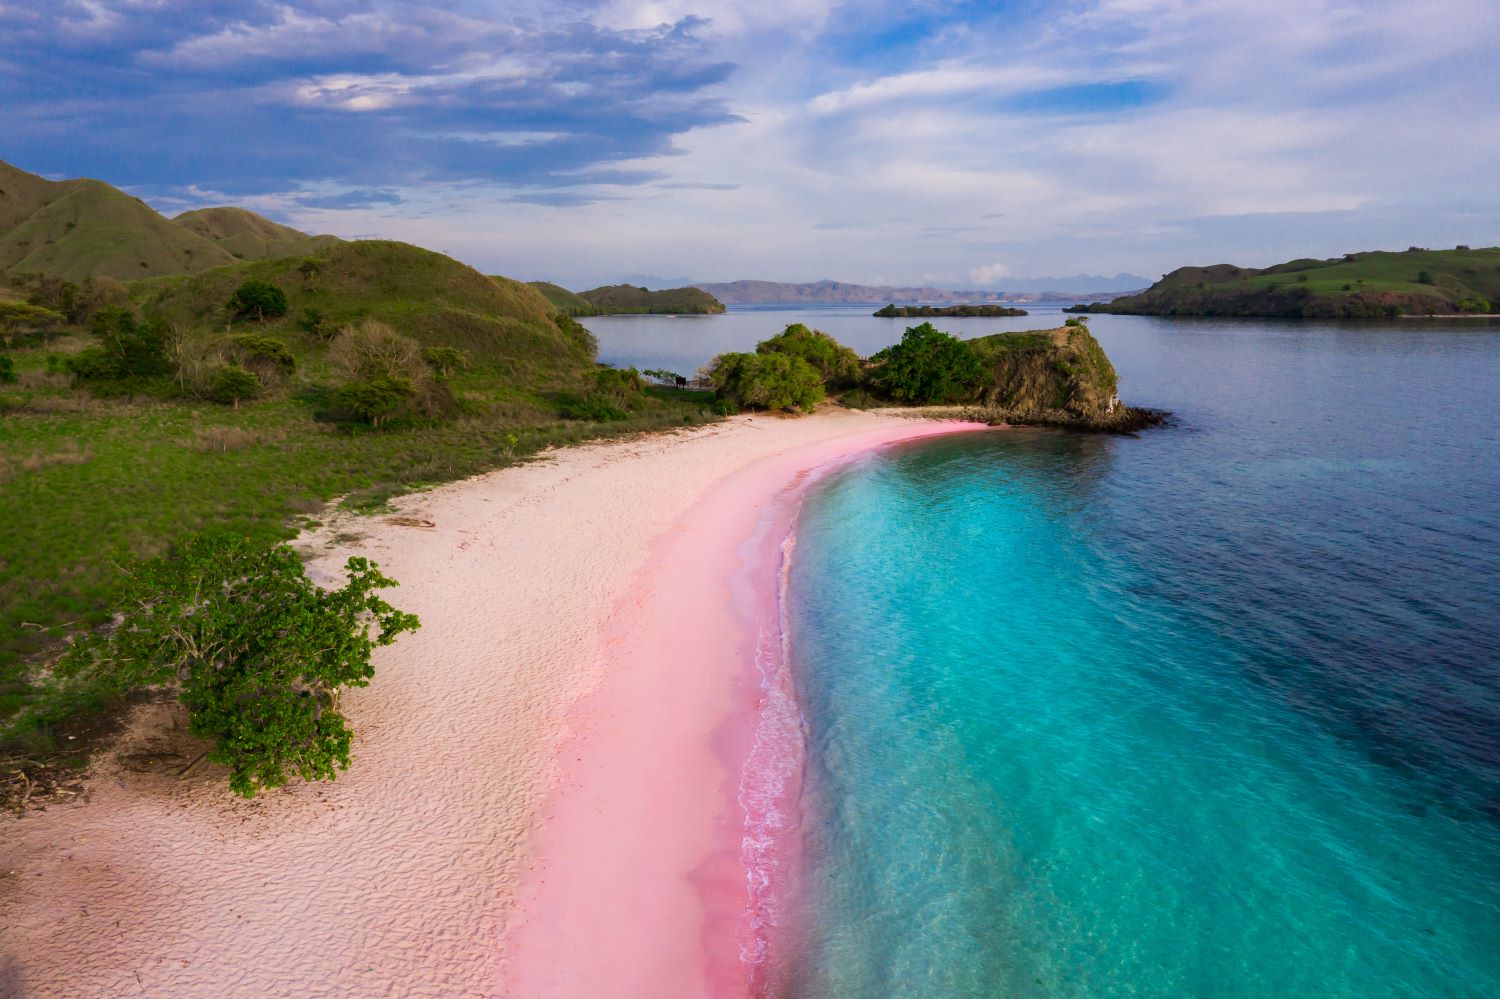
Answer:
(925, 311)
(844, 293)
(1416, 282)
(626, 299)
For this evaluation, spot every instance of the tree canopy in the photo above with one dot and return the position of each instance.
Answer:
(838, 365)
(927, 366)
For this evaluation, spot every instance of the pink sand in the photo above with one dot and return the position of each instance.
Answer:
(402, 877)
(640, 884)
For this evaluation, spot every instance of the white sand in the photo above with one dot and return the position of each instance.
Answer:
(398, 878)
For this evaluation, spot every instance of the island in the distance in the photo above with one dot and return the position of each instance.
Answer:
(927, 311)
(629, 299)
(1416, 282)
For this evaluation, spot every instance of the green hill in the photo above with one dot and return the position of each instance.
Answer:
(430, 297)
(627, 299)
(1358, 285)
(78, 229)
(1062, 371)
(563, 300)
(248, 236)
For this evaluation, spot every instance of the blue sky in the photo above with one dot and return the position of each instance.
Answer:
(944, 142)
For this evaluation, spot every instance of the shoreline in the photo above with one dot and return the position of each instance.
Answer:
(671, 886)
(401, 876)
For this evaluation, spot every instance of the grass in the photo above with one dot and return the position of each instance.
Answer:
(111, 479)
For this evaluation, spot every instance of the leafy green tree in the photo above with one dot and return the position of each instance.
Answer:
(927, 366)
(23, 318)
(766, 381)
(260, 300)
(445, 360)
(662, 376)
(126, 349)
(265, 355)
(375, 400)
(258, 653)
(1425, 277)
(838, 365)
(231, 383)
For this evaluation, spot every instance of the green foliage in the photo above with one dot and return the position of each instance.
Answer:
(563, 300)
(315, 324)
(262, 352)
(858, 399)
(1477, 305)
(836, 364)
(7, 370)
(1425, 277)
(766, 381)
(445, 360)
(927, 366)
(231, 384)
(376, 399)
(983, 310)
(260, 300)
(662, 376)
(127, 349)
(613, 394)
(1077, 321)
(258, 652)
(19, 318)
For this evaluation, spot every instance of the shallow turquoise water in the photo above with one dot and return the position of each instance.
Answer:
(1209, 712)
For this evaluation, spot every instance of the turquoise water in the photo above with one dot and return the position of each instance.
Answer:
(1214, 711)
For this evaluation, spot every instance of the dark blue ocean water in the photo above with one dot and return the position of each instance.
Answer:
(1212, 711)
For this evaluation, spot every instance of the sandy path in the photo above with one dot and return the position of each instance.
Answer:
(398, 878)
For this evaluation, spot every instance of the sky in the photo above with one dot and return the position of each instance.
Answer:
(935, 142)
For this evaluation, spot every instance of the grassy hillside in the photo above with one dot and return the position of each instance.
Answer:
(101, 475)
(78, 229)
(563, 300)
(1358, 285)
(248, 236)
(503, 324)
(626, 299)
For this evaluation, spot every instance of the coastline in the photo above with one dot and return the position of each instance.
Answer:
(401, 876)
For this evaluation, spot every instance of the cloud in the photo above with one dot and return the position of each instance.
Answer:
(988, 274)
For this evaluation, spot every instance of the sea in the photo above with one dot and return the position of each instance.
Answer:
(1211, 711)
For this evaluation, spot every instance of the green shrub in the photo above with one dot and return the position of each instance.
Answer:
(230, 384)
(127, 349)
(594, 407)
(927, 366)
(858, 399)
(7, 370)
(837, 365)
(1082, 320)
(258, 653)
(262, 353)
(1425, 277)
(375, 400)
(259, 300)
(316, 325)
(766, 381)
(445, 360)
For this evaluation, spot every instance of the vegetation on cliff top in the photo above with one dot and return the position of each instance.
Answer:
(1358, 285)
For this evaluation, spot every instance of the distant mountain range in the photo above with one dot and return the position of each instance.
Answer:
(79, 229)
(1076, 288)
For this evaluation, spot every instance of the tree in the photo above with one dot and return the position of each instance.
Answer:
(265, 355)
(127, 348)
(445, 360)
(258, 653)
(928, 366)
(232, 383)
(1425, 277)
(766, 381)
(837, 365)
(375, 400)
(7, 370)
(21, 318)
(375, 350)
(260, 300)
(662, 376)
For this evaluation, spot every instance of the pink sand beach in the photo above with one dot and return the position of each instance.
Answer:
(578, 779)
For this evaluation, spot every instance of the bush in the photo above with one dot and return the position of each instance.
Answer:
(7, 370)
(445, 360)
(316, 325)
(375, 400)
(766, 381)
(1081, 320)
(374, 350)
(264, 355)
(1425, 277)
(258, 653)
(231, 383)
(837, 365)
(127, 349)
(260, 300)
(927, 366)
